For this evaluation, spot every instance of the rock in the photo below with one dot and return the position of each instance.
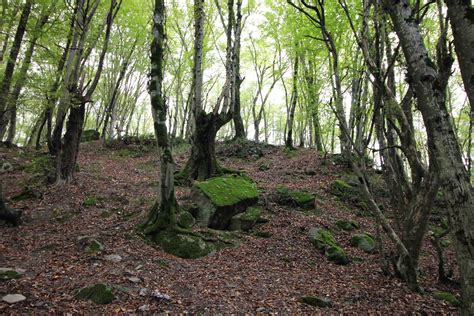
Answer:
(300, 199)
(263, 234)
(183, 245)
(245, 221)
(364, 242)
(6, 167)
(186, 220)
(144, 308)
(221, 198)
(324, 241)
(160, 296)
(13, 298)
(99, 293)
(90, 244)
(260, 309)
(89, 135)
(143, 292)
(134, 279)
(113, 258)
(10, 274)
(316, 301)
(347, 224)
(447, 297)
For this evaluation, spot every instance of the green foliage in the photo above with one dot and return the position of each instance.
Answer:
(90, 201)
(9, 275)
(228, 190)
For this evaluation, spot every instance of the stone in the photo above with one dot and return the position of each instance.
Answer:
(323, 240)
(134, 279)
(13, 298)
(10, 274)
(364, 242)
(185, 220)
(144, 308)
(245, 221)
(447, 297)
(113, 258)
(316, 301)
(300, 199)
(160, 296)
(347, 225)
(90, 244)
(99, 293)
(183, 245)
(6, 167)
(221, 198)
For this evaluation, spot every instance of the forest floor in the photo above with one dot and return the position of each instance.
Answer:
(262, 275)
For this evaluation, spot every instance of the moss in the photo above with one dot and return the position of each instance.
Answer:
(245, 221)
(364, 242)
(340, 188)
(99, 293)
(185, 219)
(90, 201)
(41, 165)
(251, 214)
(89, 135)
(9, 275)
(324, 241)
(180, 244)
(347, 224)
(447, 297)
(316, 301)
(226, 191)
(301, 199)
(94, 246)
(263, 234)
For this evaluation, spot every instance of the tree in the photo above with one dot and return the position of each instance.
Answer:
(443, 146)
(163, 214)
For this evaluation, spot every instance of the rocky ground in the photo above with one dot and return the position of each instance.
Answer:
(272, 269)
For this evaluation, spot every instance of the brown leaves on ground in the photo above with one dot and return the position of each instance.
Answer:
(263, 275)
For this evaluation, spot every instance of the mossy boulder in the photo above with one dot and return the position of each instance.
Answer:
(324, 241)
(99, 293)
(316, 301)
(9, 274)
(300, 199)
(90, 244)
(447, 297)
(89, 135)
(221, 198)
(347, 225)
(186, 220)
(245, 221)
(364, 242)
(183, 244)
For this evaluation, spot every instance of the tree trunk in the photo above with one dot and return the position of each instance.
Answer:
(461, 15)
(10, 67)
(7, 214)
(293, 102)
(443, 145)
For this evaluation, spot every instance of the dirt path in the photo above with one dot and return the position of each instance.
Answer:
(267, 275)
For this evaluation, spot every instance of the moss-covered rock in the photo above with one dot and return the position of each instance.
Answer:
(245, 221)
(316, 301)
(183, 245)
(99, 293)
(9, 274)
(263, 234)
(447, 297)
(301, 199)
(89, 135)
(221, 198)
(185, 220)
(324, 241)
(90, 244)
(347, 224)
(364, 242)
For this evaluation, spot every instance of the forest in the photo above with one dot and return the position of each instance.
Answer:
(238, 156)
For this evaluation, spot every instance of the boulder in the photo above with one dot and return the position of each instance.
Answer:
(89, 244)
(316, 301)
(347, 225)
(323, 240)
(221, 198)
(447, 297)
(364, 242)
(89, 135)
(183, 245)
(245, 221)
(185, 220)
(300, 199)
(99, 293)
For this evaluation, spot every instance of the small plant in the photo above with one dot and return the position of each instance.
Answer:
(90, 201)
